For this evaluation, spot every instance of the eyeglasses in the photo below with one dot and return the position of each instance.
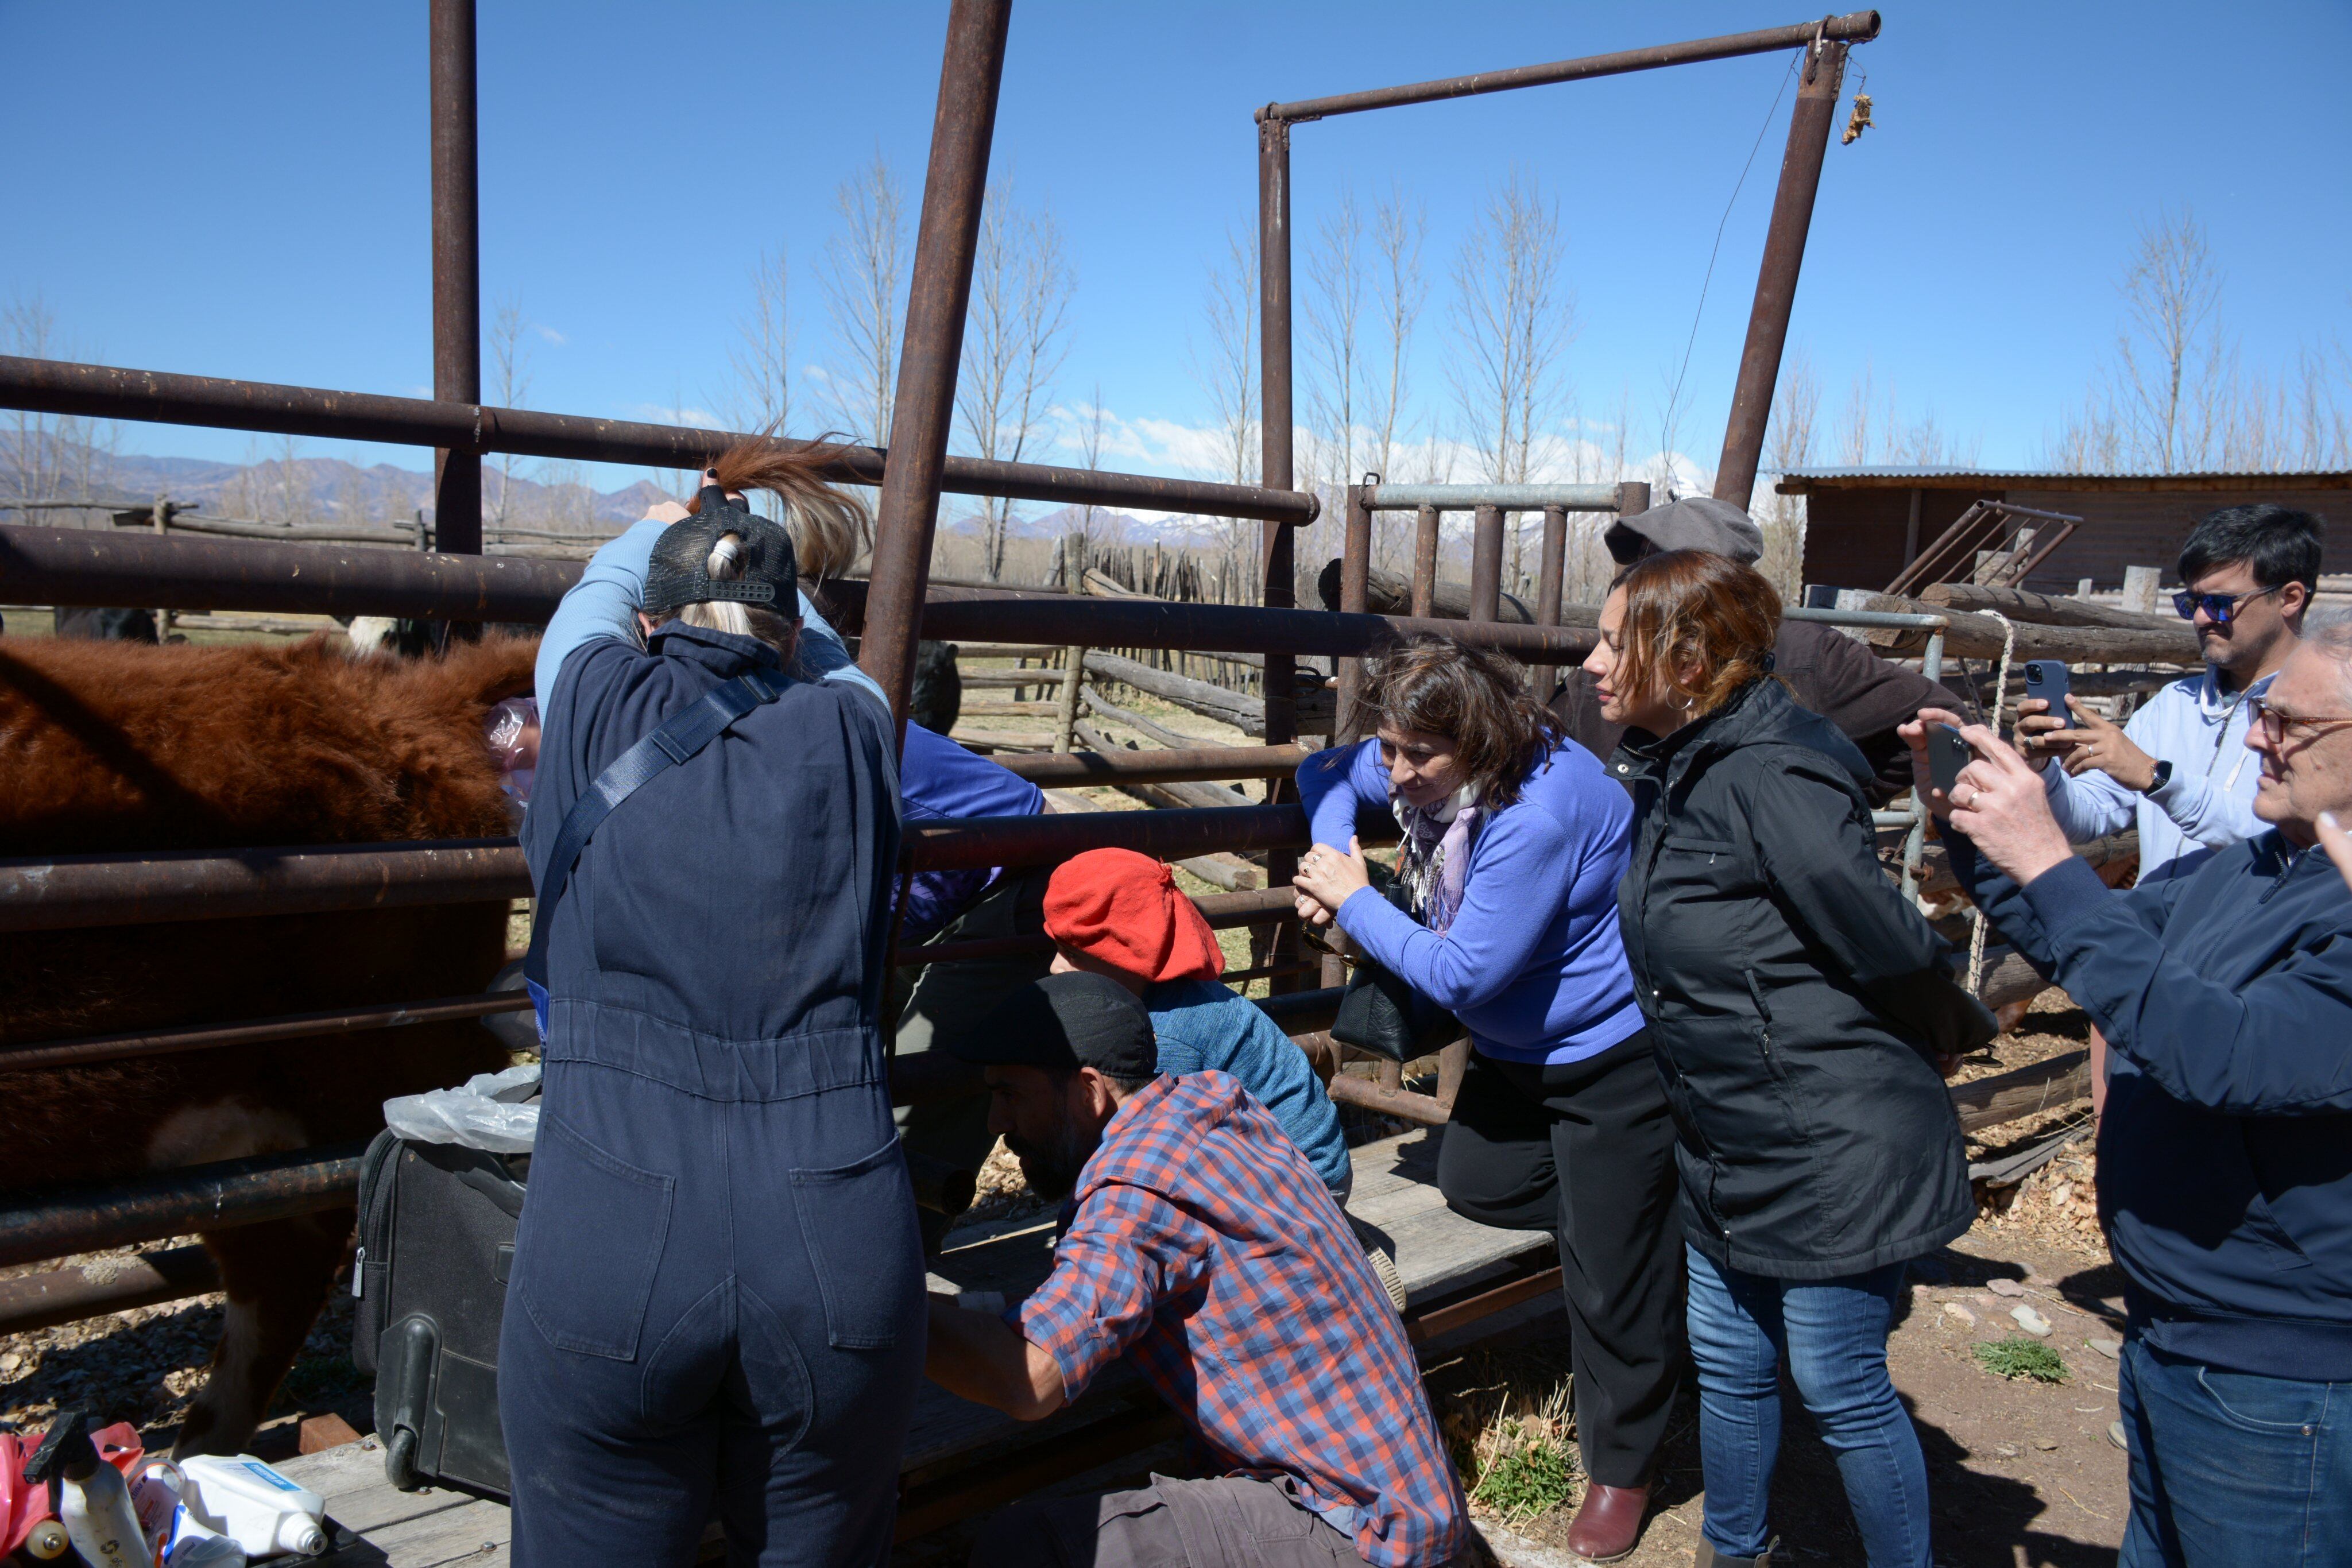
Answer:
(2220, 608)
(2276, 724)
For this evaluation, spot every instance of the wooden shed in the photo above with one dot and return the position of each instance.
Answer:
(1862, 525)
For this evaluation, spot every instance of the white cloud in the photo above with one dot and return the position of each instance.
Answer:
(550, 334)
(664, 414)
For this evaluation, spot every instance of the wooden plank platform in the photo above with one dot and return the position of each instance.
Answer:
(963, 1458)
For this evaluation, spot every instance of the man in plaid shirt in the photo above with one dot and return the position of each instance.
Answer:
(1199, 1243)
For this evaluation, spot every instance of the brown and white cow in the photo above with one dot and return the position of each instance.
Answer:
(112, 747)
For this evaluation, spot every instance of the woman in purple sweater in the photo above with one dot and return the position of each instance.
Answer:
(1515, 840)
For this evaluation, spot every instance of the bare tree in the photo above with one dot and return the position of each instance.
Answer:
(1788, 448)
(1335, 311)
(2171, 365)
(50, 457)
(762, 358)
(1397, 235)
(1090, 440)
(1225, 367)
(1014, 342)
(861, 279)
(1513, 319)
(509, 387)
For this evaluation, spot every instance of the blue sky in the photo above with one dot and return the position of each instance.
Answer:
(243, 190)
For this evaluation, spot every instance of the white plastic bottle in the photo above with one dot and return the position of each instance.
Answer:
(94, 1503)
(253, 1505)
(176, 1537)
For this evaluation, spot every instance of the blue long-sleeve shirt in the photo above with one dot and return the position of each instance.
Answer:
(2225, 1150)
(1201, 1025)
(937, 778)
(2209, 801)
(1533, 965)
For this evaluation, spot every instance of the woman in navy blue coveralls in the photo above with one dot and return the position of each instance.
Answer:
(716, 1299)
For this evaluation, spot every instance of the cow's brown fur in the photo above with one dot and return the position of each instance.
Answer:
(108, 746)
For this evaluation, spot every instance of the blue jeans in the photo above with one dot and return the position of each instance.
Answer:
(2230, 1470)
(1833, 1335)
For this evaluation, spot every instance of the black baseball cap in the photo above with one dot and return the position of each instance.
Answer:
(677, 575)
(1067, 1020)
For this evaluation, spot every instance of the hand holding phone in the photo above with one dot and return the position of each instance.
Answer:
(1947, 753)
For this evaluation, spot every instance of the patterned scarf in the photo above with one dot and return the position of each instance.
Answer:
(1434, 860)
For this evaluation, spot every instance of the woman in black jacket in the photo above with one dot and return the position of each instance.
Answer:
(1804, 1016)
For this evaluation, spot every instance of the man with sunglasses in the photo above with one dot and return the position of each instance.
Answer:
(2225, 1156)
(2179, 770)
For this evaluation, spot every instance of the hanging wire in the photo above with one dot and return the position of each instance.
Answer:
(1675, 398)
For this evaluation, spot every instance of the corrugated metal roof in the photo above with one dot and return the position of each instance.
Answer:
(1936, 477)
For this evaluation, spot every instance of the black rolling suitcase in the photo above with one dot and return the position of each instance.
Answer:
(436, 1240)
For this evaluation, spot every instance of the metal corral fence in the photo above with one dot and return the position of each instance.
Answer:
(457, 583)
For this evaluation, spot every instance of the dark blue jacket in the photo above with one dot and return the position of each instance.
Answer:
(742, 896)
(2225, 1152)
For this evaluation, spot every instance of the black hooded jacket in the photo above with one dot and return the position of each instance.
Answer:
(1794, 997)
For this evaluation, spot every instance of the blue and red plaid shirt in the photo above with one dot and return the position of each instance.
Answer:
(1204, 1246)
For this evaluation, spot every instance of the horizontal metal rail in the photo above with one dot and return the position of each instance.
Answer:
(104, 391)
(88, 1215)
(218, 884)
(256, 1032)
(1504, 497)
(107, 1285)
(1188, 766)
(1856, 27)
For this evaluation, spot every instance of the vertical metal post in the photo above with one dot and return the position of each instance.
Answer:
(1632, 497)
(1273, 405)
(1486, 565)
(1427, 525)
(1355, 599)
(1549, 574)
(1776, 279)
(953, 187)
(456, 270)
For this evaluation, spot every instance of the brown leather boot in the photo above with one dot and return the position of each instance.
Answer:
(1608, 1523)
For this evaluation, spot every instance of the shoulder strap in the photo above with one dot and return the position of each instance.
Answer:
(680, 736)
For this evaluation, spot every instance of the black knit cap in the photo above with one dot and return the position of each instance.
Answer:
(1067, 1020)
(677, 575)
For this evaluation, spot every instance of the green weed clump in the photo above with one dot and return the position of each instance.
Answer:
(2018, 1356)
(1528, 1474)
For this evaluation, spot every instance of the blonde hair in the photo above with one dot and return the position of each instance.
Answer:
(725, 564)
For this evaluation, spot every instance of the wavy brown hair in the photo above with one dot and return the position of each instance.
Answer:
(831, 528)
(1475, 696)
(1691, 610)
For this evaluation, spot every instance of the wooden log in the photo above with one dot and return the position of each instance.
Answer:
(1246, 714)
(1387, 593)
(1008, 710)
(2009, 979)
(2043, 609)
(2028, 1091)
(1231, 872)
(1936, 867)
(1979, 637)
(1182, 796)
(1134, 721)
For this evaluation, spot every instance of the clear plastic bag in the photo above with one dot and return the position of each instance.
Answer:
(510, 729)
(497, 1112)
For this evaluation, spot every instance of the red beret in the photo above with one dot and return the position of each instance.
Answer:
(1123, 908)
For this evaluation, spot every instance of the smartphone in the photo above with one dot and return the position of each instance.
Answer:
(2046, 679)
(1946, 754)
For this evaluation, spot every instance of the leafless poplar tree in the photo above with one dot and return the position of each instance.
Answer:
(1398, 231)
(1336, 266)
(1014, 342)
(50, 457)
(1090, 440)
(1225, 367)
(762, 358)
(1513, 318)
(509, 387)
(861, 278)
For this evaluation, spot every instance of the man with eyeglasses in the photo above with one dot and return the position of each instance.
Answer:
(2225, 1156)
(2179, 769)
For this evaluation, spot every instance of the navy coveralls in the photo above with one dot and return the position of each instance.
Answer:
(717, 1297)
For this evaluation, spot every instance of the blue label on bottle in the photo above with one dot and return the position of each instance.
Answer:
(272, 1477)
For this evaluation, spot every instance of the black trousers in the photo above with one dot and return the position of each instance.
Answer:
(1587, 1151)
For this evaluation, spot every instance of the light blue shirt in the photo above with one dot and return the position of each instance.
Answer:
(605, 601)
(2209, 801)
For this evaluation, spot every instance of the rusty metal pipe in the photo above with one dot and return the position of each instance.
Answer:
(1486, 564)
(31, 1301)
(1543, 677)
(456, 270)
(1776, 279)
(105, 392)
(58, 1221)
(1133, 623)
(215, 885)
(962, 127)
(1427, 530)
(1179, 767)
(1355, 597)
(1170, 835)
(255, 1031)
(1855, 27)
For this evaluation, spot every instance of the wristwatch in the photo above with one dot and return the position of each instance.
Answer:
(2162, 777)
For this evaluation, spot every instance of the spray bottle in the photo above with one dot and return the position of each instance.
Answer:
(93, 1499)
